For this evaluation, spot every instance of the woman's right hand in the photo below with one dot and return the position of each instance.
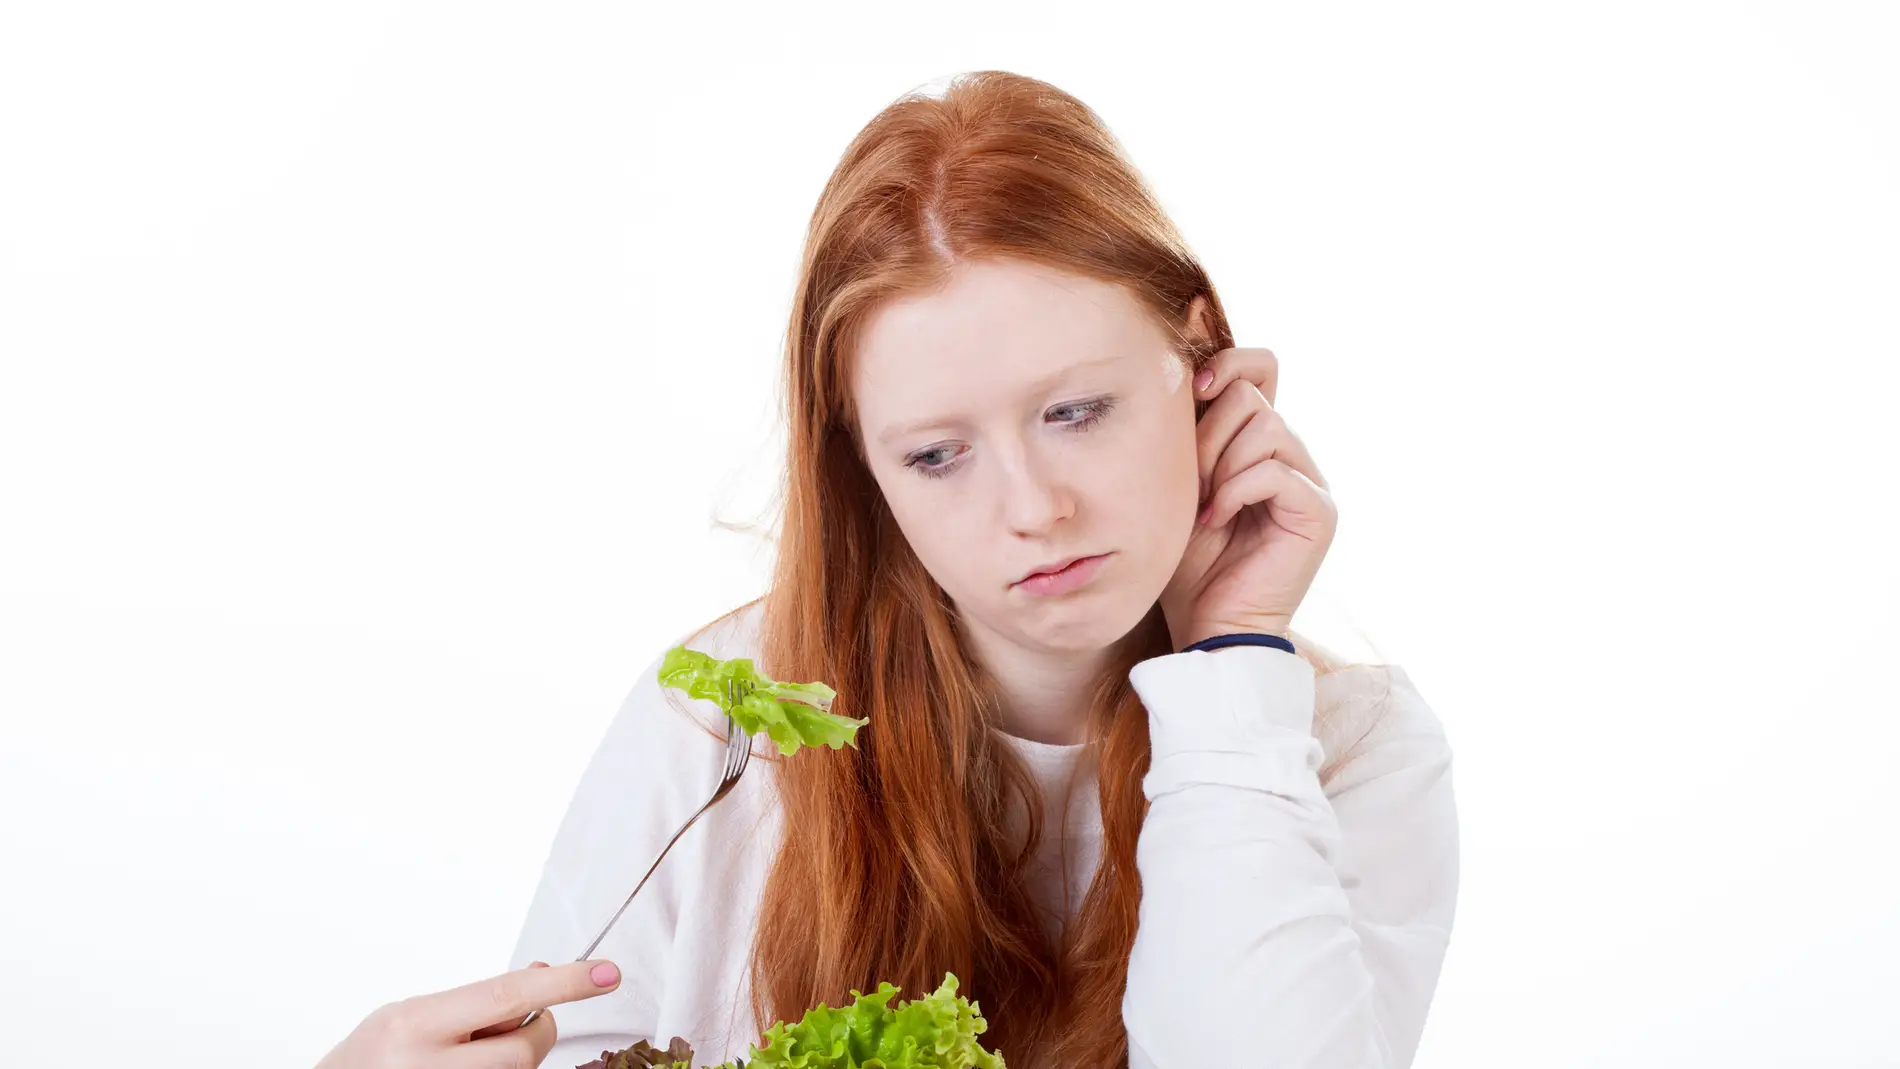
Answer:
(474, 1026)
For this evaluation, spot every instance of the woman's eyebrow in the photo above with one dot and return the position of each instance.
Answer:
(1059, 374)
(912, 426)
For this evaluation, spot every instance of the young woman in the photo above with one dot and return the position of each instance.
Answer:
(1028, 470)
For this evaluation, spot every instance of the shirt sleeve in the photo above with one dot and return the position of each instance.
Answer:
(633, 794)
(1284, 923)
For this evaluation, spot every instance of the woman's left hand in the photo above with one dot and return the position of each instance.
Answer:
(1267, 518)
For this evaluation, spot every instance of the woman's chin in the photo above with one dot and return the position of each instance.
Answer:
(1085, 625)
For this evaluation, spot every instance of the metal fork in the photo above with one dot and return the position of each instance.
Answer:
(738, 755)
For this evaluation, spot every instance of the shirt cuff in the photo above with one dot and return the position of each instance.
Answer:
(1236, 717)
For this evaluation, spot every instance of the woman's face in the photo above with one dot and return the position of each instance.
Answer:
(1021, 418)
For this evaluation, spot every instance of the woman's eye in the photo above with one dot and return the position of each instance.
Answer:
(936, 460)
(1081, 415)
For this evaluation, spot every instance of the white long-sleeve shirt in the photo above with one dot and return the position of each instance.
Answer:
(1299, 866)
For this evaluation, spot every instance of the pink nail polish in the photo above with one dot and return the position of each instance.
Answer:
(1203, 379)
(606, 974)
(1206, 514)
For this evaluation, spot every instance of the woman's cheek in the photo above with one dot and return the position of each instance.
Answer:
(935, 536)
(1161, 470)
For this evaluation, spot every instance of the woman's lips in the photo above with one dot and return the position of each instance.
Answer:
(1073, 577)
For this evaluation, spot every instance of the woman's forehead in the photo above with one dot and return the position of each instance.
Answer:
(1002, 305)
(995, 330)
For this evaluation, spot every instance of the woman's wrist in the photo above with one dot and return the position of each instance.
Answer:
(1201, 631)
(1222, 642)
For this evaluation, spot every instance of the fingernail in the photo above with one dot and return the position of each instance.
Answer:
(537, 965)
(606, 974)
(1206, 513)
(1203, 379)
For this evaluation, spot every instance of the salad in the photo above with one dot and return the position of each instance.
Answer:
(792, 715)
(937, 1031)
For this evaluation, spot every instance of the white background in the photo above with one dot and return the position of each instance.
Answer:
(374, 374)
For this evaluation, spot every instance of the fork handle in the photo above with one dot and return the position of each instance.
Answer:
(529, 1019)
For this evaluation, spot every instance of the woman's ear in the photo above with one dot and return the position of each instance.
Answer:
(1198, 324)
(1198, 327)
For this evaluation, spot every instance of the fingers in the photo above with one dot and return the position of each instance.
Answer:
(1240, 429)
(511, 1023)
(462, 1010)
(1295, 502)
(523, 1048)
(1258, 366)
(1218, 426)
(1264, 436)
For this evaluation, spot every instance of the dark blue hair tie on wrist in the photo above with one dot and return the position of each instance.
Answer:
(1223, 641)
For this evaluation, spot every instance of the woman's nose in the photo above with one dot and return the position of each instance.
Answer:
(1035, 499)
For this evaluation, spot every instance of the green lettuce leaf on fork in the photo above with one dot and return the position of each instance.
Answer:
(937, 1031)
(792, 715)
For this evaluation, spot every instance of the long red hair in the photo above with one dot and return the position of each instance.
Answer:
(895, 863)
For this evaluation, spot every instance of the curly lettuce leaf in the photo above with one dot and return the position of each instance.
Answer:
(792, 715)
(937, 1031)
